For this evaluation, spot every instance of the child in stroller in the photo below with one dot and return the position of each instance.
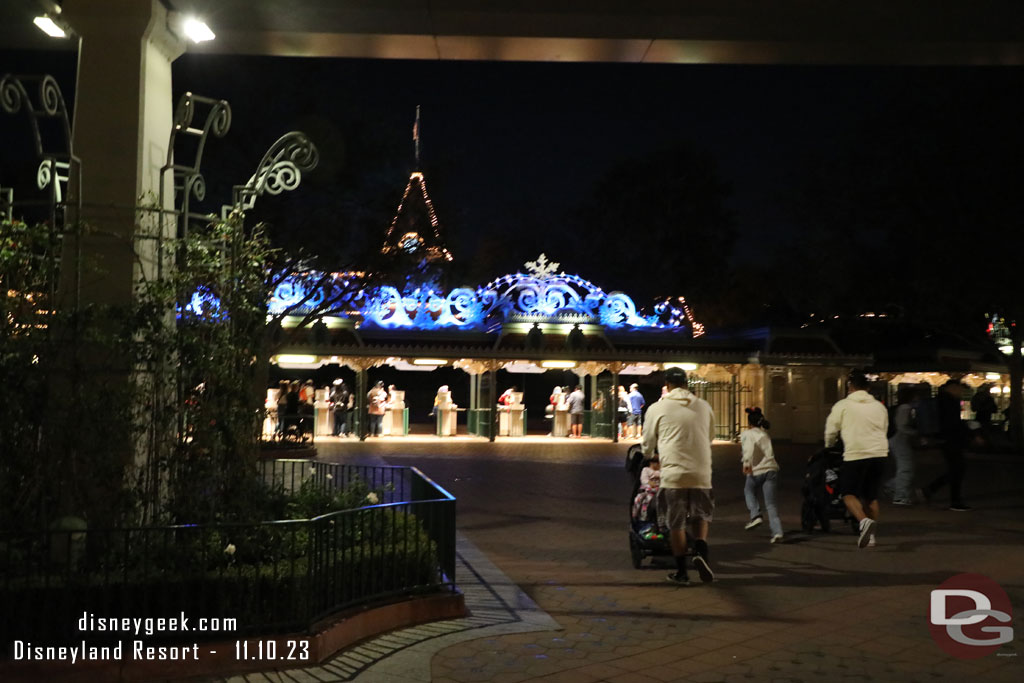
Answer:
(646, 537)
(644, 505)
(822, 501)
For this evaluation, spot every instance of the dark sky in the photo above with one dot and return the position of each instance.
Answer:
(518, 146)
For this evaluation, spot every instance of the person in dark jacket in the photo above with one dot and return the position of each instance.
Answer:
(341, 397)
(953, 435)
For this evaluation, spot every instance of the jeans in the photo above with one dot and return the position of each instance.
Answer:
(901, 485)
(376, 425)
(767, 483)
(340, 420)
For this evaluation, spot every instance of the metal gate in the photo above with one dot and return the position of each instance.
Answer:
(727, 399)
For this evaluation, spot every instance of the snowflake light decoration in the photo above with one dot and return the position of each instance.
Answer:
(542, 269)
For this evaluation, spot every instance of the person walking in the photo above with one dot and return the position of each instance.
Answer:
(376, 402)
(901, 445)
(636, 409)
(679, 431)
(622, 410)
(862, 422)
(341, 397)
(576, 403)
(762, 473)
(953, 441)
(984, 406)
(282, 406)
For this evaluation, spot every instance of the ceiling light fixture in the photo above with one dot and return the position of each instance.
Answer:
(197, 31)
(49, 27)
(688, 367)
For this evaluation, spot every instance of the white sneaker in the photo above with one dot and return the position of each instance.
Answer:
(777, 538)
(871, 541)
(867, 528)
(756, 521)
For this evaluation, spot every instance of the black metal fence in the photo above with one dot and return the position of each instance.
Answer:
(270, 577)
(727, 399)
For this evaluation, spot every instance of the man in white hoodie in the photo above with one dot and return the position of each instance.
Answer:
(679, 429)
(862, 422)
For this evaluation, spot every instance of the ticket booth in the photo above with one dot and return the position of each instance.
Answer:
(322, 413)
(512, 416)
(396, 415)
(560, 424)
(446, 413)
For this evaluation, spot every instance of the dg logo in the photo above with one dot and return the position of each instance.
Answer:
(970, 616)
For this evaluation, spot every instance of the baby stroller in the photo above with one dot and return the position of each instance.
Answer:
(646, 539)
(822, 500)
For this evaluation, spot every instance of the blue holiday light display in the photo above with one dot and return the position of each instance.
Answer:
(538, 296)
(541, 295)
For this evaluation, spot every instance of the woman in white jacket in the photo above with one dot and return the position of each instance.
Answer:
(762, 473)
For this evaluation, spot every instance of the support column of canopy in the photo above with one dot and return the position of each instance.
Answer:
(123, 116)
(615, 368)
(361, 364)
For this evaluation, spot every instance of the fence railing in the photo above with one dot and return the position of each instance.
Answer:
(270, 577)
(727, 399)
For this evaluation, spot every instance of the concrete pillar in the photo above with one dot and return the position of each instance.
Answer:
(122, 119)
(615, 406)
(492, 414)
(362, 384)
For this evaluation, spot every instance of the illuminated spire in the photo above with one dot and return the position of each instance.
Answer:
(415, 231)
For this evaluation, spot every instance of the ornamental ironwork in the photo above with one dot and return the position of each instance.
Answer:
(188, 181)
(279, 170)
(57, 162)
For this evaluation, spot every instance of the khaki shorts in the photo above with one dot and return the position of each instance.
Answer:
(678, 506)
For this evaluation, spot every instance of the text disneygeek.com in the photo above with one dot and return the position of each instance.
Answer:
(140, 650)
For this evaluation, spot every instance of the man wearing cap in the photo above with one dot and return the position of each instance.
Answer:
(863, 423)
(376, 402)
(679, 429)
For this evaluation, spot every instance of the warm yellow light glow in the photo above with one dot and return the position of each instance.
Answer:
(429, 361)
(47, 26)
(562, 364)
(996, 390)
(1006, 390)
(685, 366)
(295, 358)
(1006, 349)
(197, 31)
(992, 376)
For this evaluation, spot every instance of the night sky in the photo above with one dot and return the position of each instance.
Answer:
(518, 148)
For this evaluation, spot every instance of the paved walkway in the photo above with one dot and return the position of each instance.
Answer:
(545, 566)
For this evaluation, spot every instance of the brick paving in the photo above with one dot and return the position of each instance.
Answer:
(546, 522)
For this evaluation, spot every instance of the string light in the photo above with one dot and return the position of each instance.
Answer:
(434, 252)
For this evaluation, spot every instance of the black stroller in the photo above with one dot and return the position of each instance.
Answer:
(645, 538)
(822, 500)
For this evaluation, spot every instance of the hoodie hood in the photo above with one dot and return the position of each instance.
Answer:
(679, 395)
(861, 396)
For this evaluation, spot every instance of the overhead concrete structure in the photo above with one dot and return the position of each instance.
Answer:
(965, 32)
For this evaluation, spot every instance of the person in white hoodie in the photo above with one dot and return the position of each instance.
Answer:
(762, 473)
(862, 422)
(679, 429)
